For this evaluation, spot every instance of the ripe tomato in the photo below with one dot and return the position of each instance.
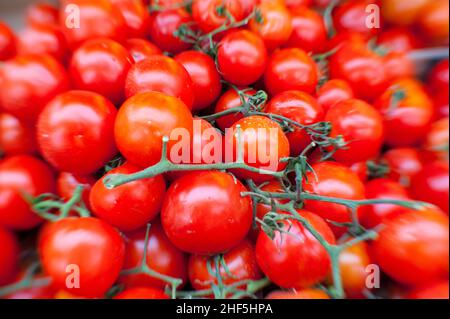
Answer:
(295, 258)
(398, 65)
(241, 57)
(162, 256)
(161, 74)
(300, 107)
(352, 16)
(16, 137)
(438, 290)
(193, 201)
(67, 183)
(434, 22)
(41, 14)
(21, 175)
(333, 92)
(437, 140)
(101, 66)
(136, 17)
(7, 43)
(403, 163)
(291, 69)
(438, 79)
(403, 12)
(441, 104)
(130, 206)
(422, 255)
(399, 39)
(206, 80)
(360, 125)
(230, 99)
(142, 293)
(144, 120)
(298, 294)
(75, 132)
(263, 144)
(240, 261)
(92, 245)
(29, 83)
(248, 6)
(9, 256)
(141, 49)
(211, 14)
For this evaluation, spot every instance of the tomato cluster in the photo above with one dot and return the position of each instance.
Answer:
(94, 94)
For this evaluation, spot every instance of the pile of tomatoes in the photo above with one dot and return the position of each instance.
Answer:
(89, 89)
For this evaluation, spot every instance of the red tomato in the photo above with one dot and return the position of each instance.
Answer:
(295, 258)
(403, 12)
(7, 43)
(298, 294)
(92, 245)
(420, 256)
(399, 39)
(300, 107)
(292, 4)
(353, 16)
(142, 293)
(32, 293)
(438, 290)
(144, 120)
(248, 6)
(29, 83)
(9, 256)
(141, 49)
(230, 99)
(403, 164)
(333, 92)
(161, 74)
(16, 137)
(21, 175)
(206, 80)
(136, 17)
(67, 183)
(101, 66)
(360, 125)
(441, 104)
(437, 140)
(241, 57)
(194, 200)
(208, 17)
(41, 14)
(398, 65)
(438, 79)
(434, 22)
(360, 169)
(291, 69)
(162, 256)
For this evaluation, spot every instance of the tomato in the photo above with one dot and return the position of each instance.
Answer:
(441, 104)
(333, 180)
(263, 144)
(353, 16)
(383, 188)
(403, 164)
(300, 107)
(431, 184)
(7, 43)
(144, 120)
(399, 39)
(29, 83)
(206, 80)
(308, 31)
(438, 290)
(163, 24)
(298, 294)
(41, 14)
(21, 175)
(136, 17)
(434, 22)
(345, 38)
(91, 19)
(95, 247)
(101, 66)
(333, 92)
(438, 79)
(161, 74)
(240, 261)
(422, 255)
(360, 169)
(141, 49)
(162, 256)
(16, 137)
(241, 57)
(67, 183)
(398, 65)
(403, 12)
(275, 25)
(229, 100)
(142, 293)
(208, 17)
(295, 258)
(291, 69)
(293, 4)
(9, 256)
(75, 132)
(193, 201)
(437, 139)
(407, 118)
(360, 125)
(32, 293)
(248, 6)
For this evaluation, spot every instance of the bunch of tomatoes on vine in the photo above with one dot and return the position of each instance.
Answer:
(355, 92)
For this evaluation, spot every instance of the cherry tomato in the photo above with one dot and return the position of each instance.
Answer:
(353, 16)
(9, 256)
(144, 120)
(141, 49)
(229, 100)
(298, 294)
(206, 80)
(242, 57)
(438, 79)
(333, 92)
(398, 65)
(142, 293)
(403, 12)
(295, 258)
(211, 14)
(161, 74)
(248, 6)
(437, 140)
(434, 22)
(16, 137)
(438, 290)
(136, 17)
(422, 255)
(41, 14)
(441, 104)
(101, 66)
(67, 183)
(19, 176)
(360, 169)
(193, 201)
(403, 163)
(399, 39)
(92, 245)
(7, 43)
(291, 69)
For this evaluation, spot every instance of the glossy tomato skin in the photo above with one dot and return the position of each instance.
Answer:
(96, 247)
(291, 69)
(19, 175)
(130, 206)
(438, 79)
(241, 57)
(352, 16)
(16, 137)
(9, 256)
(403, 164)
(208, 18)
(101, 66)
(298, 294)
(141, 49)
(333, 92)
(297, 260)
(230, 99)
(434, 22)
(360, 125)
(136, 17)
(142, 293)
(204, 75)
(402, 12)
(67, 183)
(398, 65)
(41, 14)
(7, 42)
(144, 120)
(162, 256)
(300, 107)
(28, 83)
(437, 139)
(399, 39)
(76, 132)
(438, 290)
(427, 241)
(194, 200)
(161, 74)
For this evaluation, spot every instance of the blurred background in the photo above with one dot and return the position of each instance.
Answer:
(11, 11)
